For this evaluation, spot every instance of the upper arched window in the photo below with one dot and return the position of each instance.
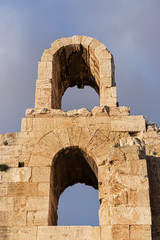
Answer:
(78, 61)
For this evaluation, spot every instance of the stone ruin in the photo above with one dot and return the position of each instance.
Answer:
(107, 148)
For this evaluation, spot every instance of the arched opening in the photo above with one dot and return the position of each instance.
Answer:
(73, 66)
(75, 98)
(70, 166)
(78, 205)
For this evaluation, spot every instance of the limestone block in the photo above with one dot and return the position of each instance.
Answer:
(46, 57)
(62, 134)
(97, 139)
(128, 123)
(37, 218)
(43, 189)
(130, 215)
(69, 232)
(116, 153)
(45, 70)
(43, 83)
(133, 182)
(55, 46)
(43, 124)
(11, 138)
(101, 160)
(99, 50)
(106, 68)
(6, 204)
(105, 86)
(18, 233)
(119, 111)
(74, 135)
(115, 232)
(37, 203)
(94, 44)
(76, 40)
(106, 233)
(9, 218)
(45, 150)
(120, 232)
(104, 214)
(100, 150)
(138, 168)
(40, 174)
(10, 160)
(19, 203)
(26, 125)
(139, 198)
(85, 137)
(3, 189)
(140, 232)
(11, 150)
(78, 112)
(16, 175)
(66, 41)
(100, 111)
(22, 189)
(123, 110)
(86, 41)
(40, 160)
(133, 153)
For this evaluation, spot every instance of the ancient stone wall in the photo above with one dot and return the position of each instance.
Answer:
(106, 148)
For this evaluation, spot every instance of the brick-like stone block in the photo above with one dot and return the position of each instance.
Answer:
(140, 232)
(37, 203)
(37, 218)
(69, 232)
(22, 189)
(40, 174)
(130, 215)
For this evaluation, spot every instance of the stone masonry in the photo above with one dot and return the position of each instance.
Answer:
(106, 148)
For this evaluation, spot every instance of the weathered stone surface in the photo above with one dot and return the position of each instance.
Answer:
(141, 232)
(37, 218)
(75, 232)
(106, 148)
(37, 203)
(18, 233)
(43, 189)
(9, 218)
(40, 174)
(130, 215)
(22, 189)
(16, 175)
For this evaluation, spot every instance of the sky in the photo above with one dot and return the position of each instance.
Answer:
(130, 29)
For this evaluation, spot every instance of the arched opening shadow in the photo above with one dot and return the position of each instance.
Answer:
(75, 98)
(70, 166)
(153, 167)
(78, 205)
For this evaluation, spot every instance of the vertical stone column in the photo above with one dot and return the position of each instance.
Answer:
(124, 195)
(43, 95)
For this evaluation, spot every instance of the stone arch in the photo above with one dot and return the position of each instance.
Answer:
(80, 61)
(90, 141)
(70, 165)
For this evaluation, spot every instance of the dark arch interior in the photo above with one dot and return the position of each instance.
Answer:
(73, 66)
(70, 165)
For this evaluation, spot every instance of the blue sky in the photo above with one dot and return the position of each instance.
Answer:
(129, 28)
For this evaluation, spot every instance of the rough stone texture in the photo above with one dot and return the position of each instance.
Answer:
(106, 148)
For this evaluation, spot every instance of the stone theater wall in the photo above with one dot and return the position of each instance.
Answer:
(105, 148)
